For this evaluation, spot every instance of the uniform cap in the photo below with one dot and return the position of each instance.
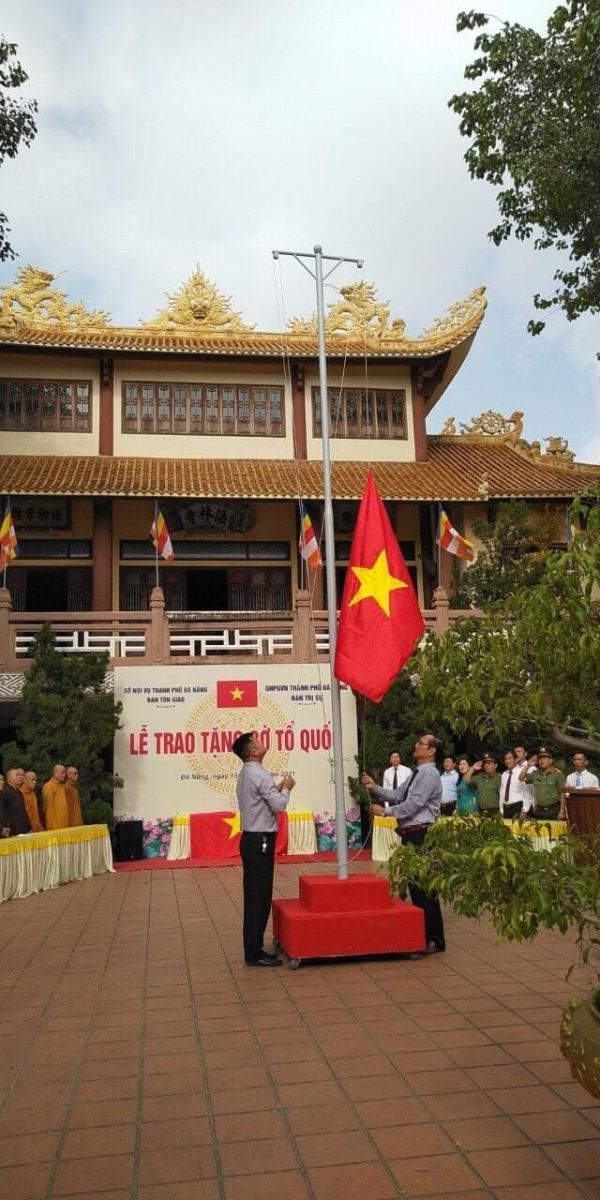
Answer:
(542, 750)
(489, 758)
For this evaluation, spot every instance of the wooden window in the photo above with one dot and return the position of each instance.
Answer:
(356, 413)
(32, 404)
(202, 409)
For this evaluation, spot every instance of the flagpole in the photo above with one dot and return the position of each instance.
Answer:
(336, 708)
(156, 540)
(439, 522)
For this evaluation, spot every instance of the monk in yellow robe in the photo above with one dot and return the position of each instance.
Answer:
(73, 801)
(31, 802)
(54, 800)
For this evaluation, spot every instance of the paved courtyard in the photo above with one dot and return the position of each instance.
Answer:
(141, 1060)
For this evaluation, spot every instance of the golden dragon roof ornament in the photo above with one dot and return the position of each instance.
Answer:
(510, 429)
(32, 300)
(199, 306)
(359, 312)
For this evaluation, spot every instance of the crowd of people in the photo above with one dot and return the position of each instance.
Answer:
(24, 810)
(529, 787)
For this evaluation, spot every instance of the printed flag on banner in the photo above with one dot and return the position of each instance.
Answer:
(307, 542)
(450, 539)
(159, 535)
(380, 618)
(217, 835)
(8, 539)
(237, 693)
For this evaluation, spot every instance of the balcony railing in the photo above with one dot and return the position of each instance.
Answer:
(181, 638)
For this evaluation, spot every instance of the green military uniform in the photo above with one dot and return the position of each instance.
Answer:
(488, 792)
(547, 787)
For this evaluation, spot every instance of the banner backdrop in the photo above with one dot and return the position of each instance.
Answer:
(178, 724)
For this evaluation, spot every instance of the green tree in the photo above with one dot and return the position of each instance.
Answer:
(509, 558)
(66, 716)
(17, 125)
(534, 127)
(533, 660)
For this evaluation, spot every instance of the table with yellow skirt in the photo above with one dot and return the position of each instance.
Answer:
(36, 862)
(302, 835)
(544, 835)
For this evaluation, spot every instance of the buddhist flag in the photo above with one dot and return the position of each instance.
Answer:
(8, 539)
(159, 535)
(450, 539)
(380, 618)
(308, 544)
(237, 693)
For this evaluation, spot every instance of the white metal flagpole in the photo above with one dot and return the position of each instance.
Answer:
(336, 710)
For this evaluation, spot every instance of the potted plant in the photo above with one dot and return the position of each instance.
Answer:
(480, 869)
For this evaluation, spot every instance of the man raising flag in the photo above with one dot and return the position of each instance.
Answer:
(380, 618)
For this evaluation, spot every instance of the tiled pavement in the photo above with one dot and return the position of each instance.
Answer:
(141, 1059)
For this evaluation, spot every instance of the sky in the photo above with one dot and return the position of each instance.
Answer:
(177, 133)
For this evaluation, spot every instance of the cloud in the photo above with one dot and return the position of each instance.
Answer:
(210, 133)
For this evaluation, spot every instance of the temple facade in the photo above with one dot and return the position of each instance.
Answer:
(222, 425)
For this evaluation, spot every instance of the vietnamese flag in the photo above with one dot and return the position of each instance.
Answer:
(380, 618)
(217, 835)
(237, 693)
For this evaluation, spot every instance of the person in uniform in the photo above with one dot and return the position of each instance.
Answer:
(31, 801)
(547, 783)
(15, 813)
(486, 781)
(260, 801)
(54, 800)
(72, 794)
(416, 804)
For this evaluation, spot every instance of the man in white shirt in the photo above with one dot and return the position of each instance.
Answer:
(449, 778)
(581, 777)
(515, 796)
(395, 775)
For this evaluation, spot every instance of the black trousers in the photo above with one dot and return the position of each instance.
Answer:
(434, 923)
(549, 813)
(446, 810)
(258, 859)
(512, 810)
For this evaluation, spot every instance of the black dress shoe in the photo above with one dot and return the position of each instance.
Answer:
(265, 960)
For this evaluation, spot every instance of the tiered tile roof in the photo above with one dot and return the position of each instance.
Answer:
(458, 468)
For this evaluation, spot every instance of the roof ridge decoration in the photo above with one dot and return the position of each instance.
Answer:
(199, 306)
(359, 312)
(32, 300)
(509, 430)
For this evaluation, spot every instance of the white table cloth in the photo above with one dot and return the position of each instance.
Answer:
(36, 862)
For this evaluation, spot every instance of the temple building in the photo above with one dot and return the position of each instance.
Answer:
(222, 425)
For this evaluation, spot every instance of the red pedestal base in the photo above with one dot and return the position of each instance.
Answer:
(340, 918)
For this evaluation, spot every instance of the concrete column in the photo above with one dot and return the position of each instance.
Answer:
(102, 556)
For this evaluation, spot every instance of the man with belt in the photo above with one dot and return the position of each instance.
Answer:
(416, 804)
(259, 801)
(486, 784)
(547, 783)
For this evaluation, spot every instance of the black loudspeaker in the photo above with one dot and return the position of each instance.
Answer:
(129, 844)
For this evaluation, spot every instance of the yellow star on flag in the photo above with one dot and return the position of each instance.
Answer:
(237, 693)
(377, 583)
(234, 824)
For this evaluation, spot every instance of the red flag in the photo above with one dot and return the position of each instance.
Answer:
(217, 835)
(237, 693)
(380, 618)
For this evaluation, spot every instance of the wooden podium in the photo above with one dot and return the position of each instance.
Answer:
(583, 809)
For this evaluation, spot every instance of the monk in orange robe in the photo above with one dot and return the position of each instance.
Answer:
(73, 801)
(31, 802)
(54, 800)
